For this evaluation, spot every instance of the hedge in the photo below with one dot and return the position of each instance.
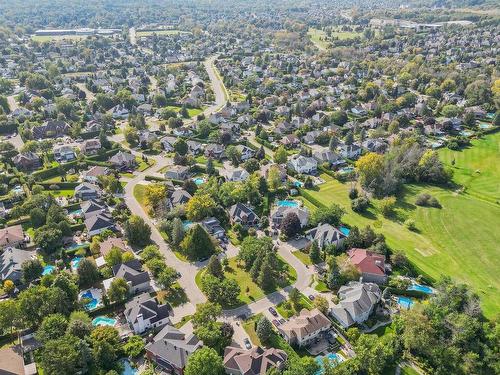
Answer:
(154, 178)
(61, 185)
(8, 129)
(327, 171)
(265, 143)
(21, 220)
(45, 174)
(311, 199)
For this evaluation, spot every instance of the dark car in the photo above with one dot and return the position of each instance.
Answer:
(282, 320)
(273, 311)
(247, 343)
(276, 323)
(311, 297)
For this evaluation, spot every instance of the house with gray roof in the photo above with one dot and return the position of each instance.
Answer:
(256, 361)
(178, 197)
(325, 235)
(11, 260)
(96, 224)
(144, 312)
(304, 165)
(171, 349)
(357, 302)
(280, 212)
(242, 214)
(86, 191)
(304, 328)
(131, 271)
(327, 156)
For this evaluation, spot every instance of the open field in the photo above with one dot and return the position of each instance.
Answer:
(191, 111)
(140, 195)
(141, 34)
(49, 38)
(318, 38)
(460, 239)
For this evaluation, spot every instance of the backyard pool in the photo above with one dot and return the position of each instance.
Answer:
(94, 296)
(199, 180)
(405, 302)
(128, 369)
(186, 224)
(298, 184)
(346, 170)
(76, 212)
(75, 263)
(345, 231)
(333, 358)
(485, 125)
(421, 288)
(75, 246)
(104, 321)
(287, 203)
(48, 270)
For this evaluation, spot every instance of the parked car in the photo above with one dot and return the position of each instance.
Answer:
(247, 343)
(282, 320)
(276, 323)
(311, 297)
(273, 311)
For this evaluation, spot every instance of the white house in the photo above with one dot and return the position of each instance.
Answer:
(144, 312)
(304, 165)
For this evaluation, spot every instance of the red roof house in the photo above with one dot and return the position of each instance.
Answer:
(371, 265)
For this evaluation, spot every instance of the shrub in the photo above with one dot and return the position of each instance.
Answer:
(387, 206)
(353, 193)
(410, 224)
(360, 204)
(427, 200)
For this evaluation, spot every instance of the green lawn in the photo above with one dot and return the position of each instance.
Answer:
(176, 296)
(460, 239)
(63, 193)
(50, 38)
(191, 111)
(318, 38)
(287, 310)
(142, 165)
(237, 272)
(201, 159)
(303, 257)
(140, 195)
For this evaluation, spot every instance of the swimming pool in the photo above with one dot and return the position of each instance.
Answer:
(186, 224)
(48, 270)
(94, 299)
(199, 180)
(346, 170)
(128, 369)
(405, 302)
(421, 288)
(75, 246)
(298, 184)
(345, 231)
(333, 358)
(287, 203)
(485, 125)
(76, 212)
(104, 321)
(75, 263)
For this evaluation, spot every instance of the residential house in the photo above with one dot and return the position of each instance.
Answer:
(327, 156)
(178, 172)
(214, 228)
(256, 361)
(123, 160)
(51, 129)
(27, 161)
(144, 312)
(178, 197)
(237, 175)
(137, 280)
(64, 153)
(304, 328)
(146, 138)
(194, 147)
(326, 235)
(290, 141)
(119, 112)
(214, 150)
(86, 191)
(171, 349)
(246, 152)
(168, 143)
(371, 265)
(11, 260)
(92, 207)
(357, 302)
(92, 175)
(350, 151)
(280, 212)
(90, 146)
(110, 243)
(303, 164)
(96, 224)
(13, 237)
(241, 214)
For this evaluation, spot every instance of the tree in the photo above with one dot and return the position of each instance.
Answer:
(118, 290)
(177, 231)
(134, 346)
(210, 167)
(330, 215)
(290, 225)
(199, 207)
(280, 155)
(387, 206)
(204, 361)
(251, 165)
(478, 92)
(214, 267)
(114, 256)
(52, 327)
(197, 243)
(32, 269)
(131, 136)
(181, 147)
(61, 356)
(321, 304)
(9, 314)
(105, 342)
(137, 231)
(37, 217)
(167, 277)
(8, 286)
(266, 278)
(155, 196)
(88, 274)
(264, 329)
(206, 313)
(314, 253)
(294, 297)
(274, 178)
(65, 282)
(224, 292)
(369, 167)
(48, 238)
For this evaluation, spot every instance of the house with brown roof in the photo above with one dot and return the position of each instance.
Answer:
(303, 329)
(371, 265)
(256, 361)
(12, 237)
(111, 242)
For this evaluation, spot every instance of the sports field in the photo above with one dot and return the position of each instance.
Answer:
(462, 238)
(160, 32)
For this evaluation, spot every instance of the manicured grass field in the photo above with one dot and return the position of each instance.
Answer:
(287, 310)
(318, 38)
(460, 239)
(191, 111)
(49, 38)
(142, 165)
(140, 195)
(303, 257)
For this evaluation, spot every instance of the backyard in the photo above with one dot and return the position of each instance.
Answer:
(438, 246)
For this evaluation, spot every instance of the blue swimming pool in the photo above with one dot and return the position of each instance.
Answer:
(346, 170)
(405, 302)
(421, 288)
(298, 184)
(75, 246)
(104, 321)
(333, 358)
(485, 125)
(128, 369)
(93, 302)
(345, 231)
(186, 224)
(76, 212)
(199, 180)
(288, 203)
(75, 263)
(48, 270)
